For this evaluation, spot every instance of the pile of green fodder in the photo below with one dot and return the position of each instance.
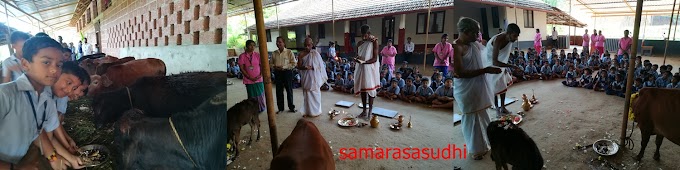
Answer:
(78, 124)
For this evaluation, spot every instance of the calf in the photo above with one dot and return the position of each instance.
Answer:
(304, 148)
(511, 145)
(102, 67)
(242, 113)
(125, 74)
(159, 96)
(90, 63)
(152, 143)
(657, 110)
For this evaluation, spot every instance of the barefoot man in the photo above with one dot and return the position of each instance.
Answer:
(367, 70)
(312, 76)
(471, 91)
(497, 53)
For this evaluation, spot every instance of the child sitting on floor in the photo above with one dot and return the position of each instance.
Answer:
(444, 95)
(674, 83)
(418, 80)
(437, 82)
(348, 86)
(424, 92)
(650, 81)
(530, 71)
(637, 85)
(546, 72)
(559, 70)
(601, 81)
(400, 82)
(616, 87)
(408, 93)
(391, 92)
(571, 78)
(586, 80)
(339, 82)
(383, 81)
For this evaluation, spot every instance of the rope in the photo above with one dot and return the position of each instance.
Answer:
(629, 141)
(180, 141)
(129, 98)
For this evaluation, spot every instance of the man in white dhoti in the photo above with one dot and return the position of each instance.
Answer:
(367, 70)
(471, 91)
(497, 53)
(312, 76)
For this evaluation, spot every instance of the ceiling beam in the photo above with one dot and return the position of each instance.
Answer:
(59, 24)
(663, 13)
(581, 2)
(22, 11)
(631, 8)
(52, 8)
(65, 15)
(626, 12)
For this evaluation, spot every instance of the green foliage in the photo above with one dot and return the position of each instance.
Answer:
(236, 27)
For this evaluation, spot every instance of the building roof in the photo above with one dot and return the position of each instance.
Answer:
(563, 18)
(604, 8)
(54, 14)
(319, 11)
(237, 7)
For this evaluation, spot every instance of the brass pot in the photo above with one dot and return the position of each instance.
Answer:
(374, 121)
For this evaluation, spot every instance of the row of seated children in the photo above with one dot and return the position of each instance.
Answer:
(440, 98)
(612, 82)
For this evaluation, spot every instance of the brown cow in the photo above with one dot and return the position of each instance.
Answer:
(125, 74)
(657, 111)
(101, 68)
(305, 148)
(90, 64)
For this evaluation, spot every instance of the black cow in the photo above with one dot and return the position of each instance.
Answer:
(151, 143)
(242, 113)
(159, 96)
(511, 145)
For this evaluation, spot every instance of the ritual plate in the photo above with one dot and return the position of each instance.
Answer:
(93, 155)
(395, 126)
(517, 119)
(605, 147)
(348, 122)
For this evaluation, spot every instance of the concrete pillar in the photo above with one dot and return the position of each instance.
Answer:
(402, 33)
(307, 30)
(348, 41)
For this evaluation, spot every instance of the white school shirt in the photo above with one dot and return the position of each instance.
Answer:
(18, 123)
(11, 62)
(409, 46)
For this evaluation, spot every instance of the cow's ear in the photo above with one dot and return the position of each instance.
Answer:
(106, 81)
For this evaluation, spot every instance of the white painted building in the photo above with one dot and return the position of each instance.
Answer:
(399, 19)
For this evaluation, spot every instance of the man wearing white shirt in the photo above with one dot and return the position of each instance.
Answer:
(408, 48)
(331, 51)
(554, 38)
(87, 48)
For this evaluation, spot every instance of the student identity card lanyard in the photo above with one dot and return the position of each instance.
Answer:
(35, 115)
(250, 61)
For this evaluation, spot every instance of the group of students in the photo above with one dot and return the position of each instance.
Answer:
(407, 84)
(33, 103)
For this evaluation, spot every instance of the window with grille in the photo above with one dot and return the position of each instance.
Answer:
(436, 22)
(528, 19)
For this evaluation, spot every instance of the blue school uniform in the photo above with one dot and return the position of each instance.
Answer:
(571, 79)
(409, 90)
(349, 83)
(417, 83)
(530, 69)
(661, 82)
(62, 104)
(444, 91)
(649, 84)
(425, 91)
(615, 88)
(558, 68)
(393, 89)
(19, 124)
(339, 81)
(546, 70)
(401, 83)
(435, 84)
(676, 86)
(383, 82)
